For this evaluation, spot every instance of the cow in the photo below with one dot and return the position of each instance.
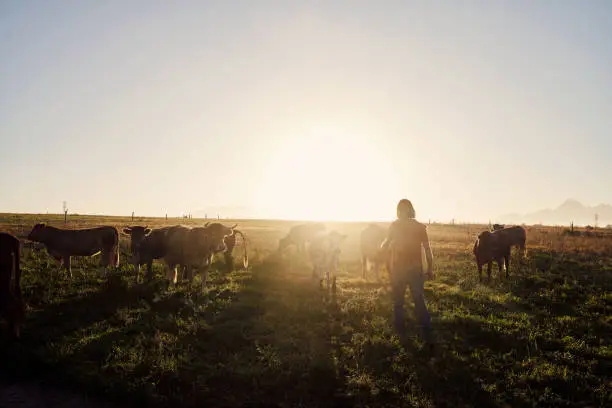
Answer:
(11, 303)
(176, 238)
(146, 245)
(300, 234)
(229, 243)
(193, 248)
(370, 240)
(497, 227)
(63, 243)
(496, 246)
(325, 256)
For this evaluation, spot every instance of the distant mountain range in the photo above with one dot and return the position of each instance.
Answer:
(570, 211)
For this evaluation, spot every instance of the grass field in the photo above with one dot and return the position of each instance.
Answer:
(269, 336)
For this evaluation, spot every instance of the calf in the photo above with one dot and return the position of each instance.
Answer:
(11, 303)
(63, 243)
(496, 246)
(147, 245)
(325, 256)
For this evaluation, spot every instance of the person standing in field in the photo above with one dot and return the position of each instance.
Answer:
(404, 240)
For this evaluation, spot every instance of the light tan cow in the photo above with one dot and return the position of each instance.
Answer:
(193, 248)
(325, 256)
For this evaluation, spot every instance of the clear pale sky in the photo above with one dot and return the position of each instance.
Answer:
(320, 109)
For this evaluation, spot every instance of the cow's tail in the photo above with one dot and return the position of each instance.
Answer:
(245, 260)
(116, 249)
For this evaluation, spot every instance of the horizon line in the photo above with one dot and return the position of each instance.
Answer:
(429, 222)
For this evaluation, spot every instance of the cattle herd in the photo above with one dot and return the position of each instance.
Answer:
(192, 249)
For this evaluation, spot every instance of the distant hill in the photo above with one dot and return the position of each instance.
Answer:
(570, 211)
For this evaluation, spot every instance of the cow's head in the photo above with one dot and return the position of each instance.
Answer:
(284, 243)
(137, 235)
(216, 233)
(336, 238)
(38, 233)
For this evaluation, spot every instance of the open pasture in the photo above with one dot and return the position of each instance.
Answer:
(269, 336)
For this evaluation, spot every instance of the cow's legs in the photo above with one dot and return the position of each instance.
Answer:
(364, 266)
(507, 262)
(149, 270)
(480, 272)
(203, 277)
(66, 265)
(172, 273)
(489, 267)
(507, 265)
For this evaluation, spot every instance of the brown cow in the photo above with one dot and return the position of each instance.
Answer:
(63, 243)
(147, 245)
(301, 234)
(496, 246)
(11, 303)
(370, 240)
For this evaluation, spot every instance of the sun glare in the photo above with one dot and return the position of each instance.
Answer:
(328, 173)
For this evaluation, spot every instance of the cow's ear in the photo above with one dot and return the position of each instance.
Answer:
(147, 231)
(127, 231)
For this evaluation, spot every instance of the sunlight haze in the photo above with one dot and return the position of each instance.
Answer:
(327, 110)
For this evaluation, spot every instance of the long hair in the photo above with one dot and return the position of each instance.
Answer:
(405, 210)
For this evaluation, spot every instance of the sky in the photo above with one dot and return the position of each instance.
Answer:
(305, 109)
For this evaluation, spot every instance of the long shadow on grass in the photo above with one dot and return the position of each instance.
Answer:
(263, 342)
(268, 347)
(137, 342)
(45, 352)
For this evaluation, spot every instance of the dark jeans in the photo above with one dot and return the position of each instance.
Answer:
(415, 281)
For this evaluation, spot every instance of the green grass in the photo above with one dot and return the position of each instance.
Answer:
(269, 336)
